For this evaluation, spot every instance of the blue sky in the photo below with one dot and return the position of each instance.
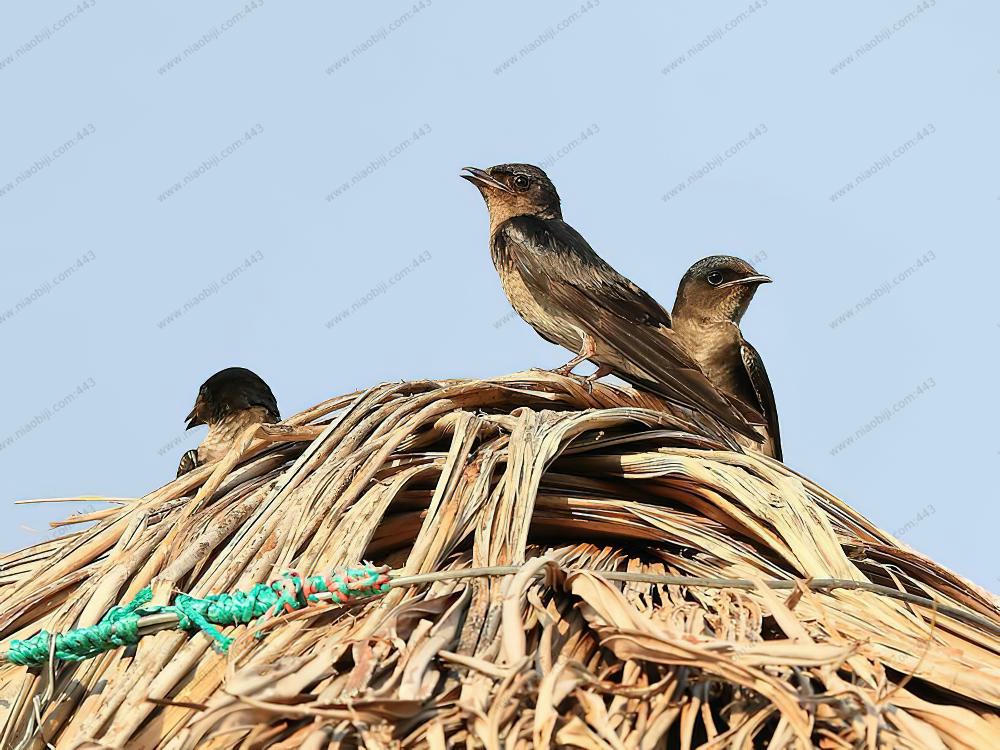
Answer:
(189, 186)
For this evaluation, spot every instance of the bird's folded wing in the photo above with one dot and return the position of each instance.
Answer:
(653, 352)
(765, 394)
(188, 462)
(618, 313)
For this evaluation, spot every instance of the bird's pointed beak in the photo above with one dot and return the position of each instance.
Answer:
(749, 280)
(194, 418)
(483, 179)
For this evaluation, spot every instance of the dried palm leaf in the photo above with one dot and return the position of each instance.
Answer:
(657, 590)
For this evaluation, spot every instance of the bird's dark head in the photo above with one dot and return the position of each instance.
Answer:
(515, 190)
(228, 391)
(718, 288)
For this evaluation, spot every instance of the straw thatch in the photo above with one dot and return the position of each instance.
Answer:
(531, 470)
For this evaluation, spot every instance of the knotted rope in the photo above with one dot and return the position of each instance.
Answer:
(121, 625)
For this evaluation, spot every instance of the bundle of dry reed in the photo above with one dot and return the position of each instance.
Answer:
(561, 483)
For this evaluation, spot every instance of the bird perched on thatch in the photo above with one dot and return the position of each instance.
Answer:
(711, 300)
(573, 298)
(228, 402)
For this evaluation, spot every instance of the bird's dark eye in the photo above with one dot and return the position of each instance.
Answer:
(521, 182)
(714, 278)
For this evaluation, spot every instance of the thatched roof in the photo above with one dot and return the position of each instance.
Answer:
(536, 472)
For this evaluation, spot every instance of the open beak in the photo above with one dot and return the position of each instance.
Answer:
(757, 279)
(194, 418)
(482, 178)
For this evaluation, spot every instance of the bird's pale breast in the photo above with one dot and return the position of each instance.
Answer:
(548, 321)
(716, 348)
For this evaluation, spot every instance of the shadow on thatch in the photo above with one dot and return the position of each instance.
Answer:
(528, 470)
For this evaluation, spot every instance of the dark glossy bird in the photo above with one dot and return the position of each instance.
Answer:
(228, 402)
(711, 300)
(572, 297)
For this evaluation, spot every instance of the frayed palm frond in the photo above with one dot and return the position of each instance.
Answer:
(561, 484)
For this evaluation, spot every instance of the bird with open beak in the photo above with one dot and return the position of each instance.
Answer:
(228, 402)
(712, 298)
(572, 297)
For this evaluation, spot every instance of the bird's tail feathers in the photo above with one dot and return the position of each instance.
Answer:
(690, 389)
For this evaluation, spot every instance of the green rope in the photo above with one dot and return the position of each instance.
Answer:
(120, 626)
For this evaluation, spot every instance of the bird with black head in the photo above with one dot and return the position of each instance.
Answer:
(228, 402)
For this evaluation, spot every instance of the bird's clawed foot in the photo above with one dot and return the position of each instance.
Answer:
(600, 373)
(588, 350)
(595, 376)
(567, 369)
